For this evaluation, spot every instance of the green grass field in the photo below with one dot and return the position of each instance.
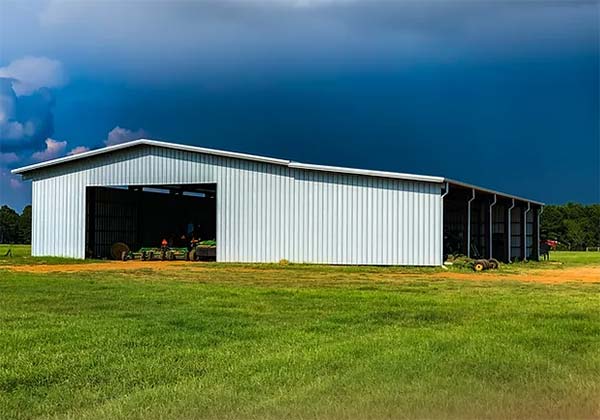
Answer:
(295, 342)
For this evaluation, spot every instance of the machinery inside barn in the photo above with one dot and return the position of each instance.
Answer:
(148, 218)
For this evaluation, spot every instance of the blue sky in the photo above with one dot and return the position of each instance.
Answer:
(499, 93)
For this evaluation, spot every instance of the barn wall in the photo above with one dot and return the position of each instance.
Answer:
(265, 212)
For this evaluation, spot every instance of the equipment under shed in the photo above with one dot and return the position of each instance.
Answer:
(261, 209)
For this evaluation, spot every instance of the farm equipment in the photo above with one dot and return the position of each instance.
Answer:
(486, 264)
(122, 252)
(199, 250)
(477, 264)
(203, 250)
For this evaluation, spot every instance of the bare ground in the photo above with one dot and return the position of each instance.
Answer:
(583, 274)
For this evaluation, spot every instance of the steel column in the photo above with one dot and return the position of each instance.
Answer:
(490, 227)
(509, 230)
(469, 223)
(524, 229)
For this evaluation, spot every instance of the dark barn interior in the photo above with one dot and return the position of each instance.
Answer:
(142, 216)
(495, 229)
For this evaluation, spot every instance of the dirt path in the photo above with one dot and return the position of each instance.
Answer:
(583, 274)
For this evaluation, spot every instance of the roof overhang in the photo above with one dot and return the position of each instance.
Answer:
(489, 191)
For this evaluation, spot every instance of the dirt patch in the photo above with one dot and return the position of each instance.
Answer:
(104, 266)
(583, 274)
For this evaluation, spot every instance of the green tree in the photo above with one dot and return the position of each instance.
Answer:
(25, 226)
(9, 225)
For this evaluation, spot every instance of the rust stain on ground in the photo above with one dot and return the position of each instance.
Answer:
(583, 274)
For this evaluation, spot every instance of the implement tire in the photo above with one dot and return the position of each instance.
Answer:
(117, 249)
(493, 263)
(479, 265)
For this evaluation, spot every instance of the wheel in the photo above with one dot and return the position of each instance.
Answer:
(493, 263)
(163, 255)
(124, 256)
(150, 256)
(144, 256)
(117, 249)
(171, 256)
(191, 256)
(479, 265)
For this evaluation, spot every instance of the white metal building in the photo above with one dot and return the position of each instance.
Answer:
(262, 209)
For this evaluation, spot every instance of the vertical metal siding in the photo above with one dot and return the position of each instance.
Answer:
(265, 212)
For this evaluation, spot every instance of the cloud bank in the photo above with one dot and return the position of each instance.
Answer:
(26, 114)
(211, 37)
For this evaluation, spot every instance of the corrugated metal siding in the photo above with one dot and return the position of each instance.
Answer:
(265, 212)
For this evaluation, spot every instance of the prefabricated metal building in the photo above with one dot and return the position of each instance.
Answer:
(262, 209)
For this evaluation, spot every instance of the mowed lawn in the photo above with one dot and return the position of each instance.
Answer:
(295, 342)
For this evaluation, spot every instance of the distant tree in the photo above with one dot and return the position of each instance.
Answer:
(9, 225)
(575, 225)
(25, 226)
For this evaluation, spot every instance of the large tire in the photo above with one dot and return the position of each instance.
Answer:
(117, 249)
(479, 265)
(493, 263)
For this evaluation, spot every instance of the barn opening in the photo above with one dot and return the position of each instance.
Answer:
(142, 216)
(483, 224)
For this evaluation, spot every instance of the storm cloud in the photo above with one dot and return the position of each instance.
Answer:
(178, 41)
(25, 121)
(481, 90)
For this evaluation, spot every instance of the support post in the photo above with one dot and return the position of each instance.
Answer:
(509, 231)
(538, 230)
(536, 235)
(469, 222)
(524, 230)
(490, 227)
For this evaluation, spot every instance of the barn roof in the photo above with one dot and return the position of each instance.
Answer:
(244, 156)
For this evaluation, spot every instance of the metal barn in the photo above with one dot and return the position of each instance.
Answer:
(261, 209)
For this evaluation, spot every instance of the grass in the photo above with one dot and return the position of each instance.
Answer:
(21, 254)
(240, 341)
(573, 258)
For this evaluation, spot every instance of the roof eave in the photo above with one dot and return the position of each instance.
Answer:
(147, 142)
(489, 191)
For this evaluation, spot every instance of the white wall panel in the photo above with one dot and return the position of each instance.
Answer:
(265, 211)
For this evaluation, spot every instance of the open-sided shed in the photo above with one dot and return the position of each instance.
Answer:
(261, 209)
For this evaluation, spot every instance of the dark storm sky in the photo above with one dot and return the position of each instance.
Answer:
(504, 94)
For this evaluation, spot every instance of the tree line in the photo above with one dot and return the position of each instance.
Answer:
(15, 228)
(574, 226)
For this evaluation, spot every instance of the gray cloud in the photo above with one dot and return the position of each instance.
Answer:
(29, 74)
(25, 121)
(247, 36)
